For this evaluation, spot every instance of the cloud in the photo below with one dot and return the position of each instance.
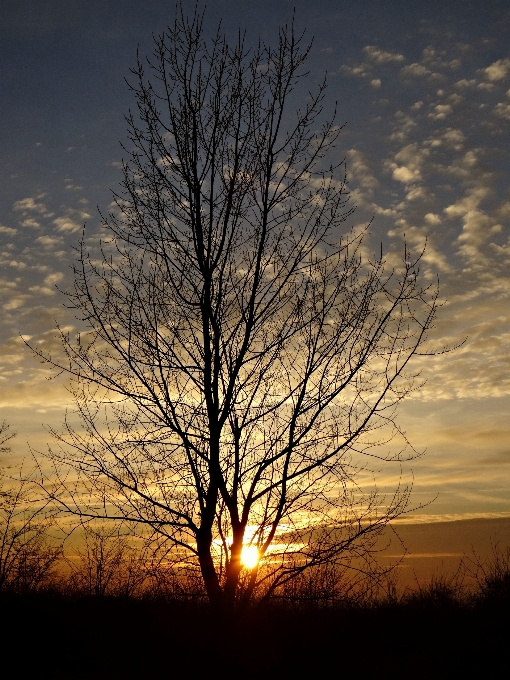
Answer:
(477, 370)
(441, 111)
(71, 222)
(468, 203)
(359, 167)
(420, 243)
(496, 71)
(477, 227)
(30, 222)
(373, 56)
(467, 167)
(36, 390)
(12, 351)
(438, 58)
(379, 56)
(463, 84)
(451, 138)
(17, 265)
(455, 99)
(53, 279)
(503, 211)
(8, 231)
(15, 302)
(41, 290)
(454, 138)
(416, 192)
(49, 241)
(404, 126)
(66, 225)
(7, 285)
(502, 110)
(406, 167)
(70, 186)
(415, 70)
(49, 287)
(404, 174)
(358, 70)
(431, 218)
(31, 204)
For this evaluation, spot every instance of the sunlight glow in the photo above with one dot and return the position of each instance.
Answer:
(250, 556)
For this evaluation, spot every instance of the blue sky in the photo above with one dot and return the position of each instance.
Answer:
(424, 91)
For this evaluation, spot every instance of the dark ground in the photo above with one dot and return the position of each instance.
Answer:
(54, 636)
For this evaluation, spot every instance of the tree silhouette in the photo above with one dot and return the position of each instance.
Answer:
(27, 559)
(241, 361)
(106, 563)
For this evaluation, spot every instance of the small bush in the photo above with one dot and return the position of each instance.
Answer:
(493, 577)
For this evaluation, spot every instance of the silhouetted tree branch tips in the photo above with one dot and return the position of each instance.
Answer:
(27, 559)
(242, 361)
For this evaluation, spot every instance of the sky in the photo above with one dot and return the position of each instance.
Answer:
(423, 89)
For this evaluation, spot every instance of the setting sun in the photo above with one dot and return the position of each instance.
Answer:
(250, 556)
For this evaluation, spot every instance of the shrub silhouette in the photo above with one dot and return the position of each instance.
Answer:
(107, 564)
(27, 559)
(493, 577)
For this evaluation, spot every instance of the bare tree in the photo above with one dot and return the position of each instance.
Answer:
(5, 436)
(107, 563)
(27, 558)
(241, 363)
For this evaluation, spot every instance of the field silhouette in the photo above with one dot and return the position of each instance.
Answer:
(444, 625)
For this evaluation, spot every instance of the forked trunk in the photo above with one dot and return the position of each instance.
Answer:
(223, 599)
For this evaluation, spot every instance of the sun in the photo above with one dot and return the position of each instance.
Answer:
(250, 556)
